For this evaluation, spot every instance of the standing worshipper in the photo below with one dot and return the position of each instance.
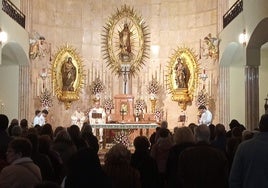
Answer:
(203, 165)
(37, 116)
(250, 164)
(4, 139)
(22, 172)
(43, 117)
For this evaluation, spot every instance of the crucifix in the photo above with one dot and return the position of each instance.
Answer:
(122, 112)
(125, 69)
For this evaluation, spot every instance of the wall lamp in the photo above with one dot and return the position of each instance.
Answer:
(243, 38)
(3, 36)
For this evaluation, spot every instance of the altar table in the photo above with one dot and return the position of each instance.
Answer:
(125, 126)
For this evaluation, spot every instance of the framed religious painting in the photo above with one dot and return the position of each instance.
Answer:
(67, 75)
(125, 41)
(183, 76)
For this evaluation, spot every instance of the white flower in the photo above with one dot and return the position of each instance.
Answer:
(97, 86)
(46, 98)
(153, 87)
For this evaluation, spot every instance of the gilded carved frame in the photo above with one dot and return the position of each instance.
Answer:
(183, 93)
(139, 40)
(67, 94)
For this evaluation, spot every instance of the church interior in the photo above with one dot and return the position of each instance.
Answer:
(145, 61)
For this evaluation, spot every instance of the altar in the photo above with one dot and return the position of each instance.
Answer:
(129, 128)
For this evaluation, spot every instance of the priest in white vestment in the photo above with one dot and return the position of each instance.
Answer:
(97, 115)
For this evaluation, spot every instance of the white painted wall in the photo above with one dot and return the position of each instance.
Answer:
(9, 94)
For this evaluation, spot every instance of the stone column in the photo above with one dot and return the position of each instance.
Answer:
(252, 96)
(224, 103)
(24, 93)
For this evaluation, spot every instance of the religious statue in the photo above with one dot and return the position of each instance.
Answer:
(181, 74)
(212, 44)
(125, 43)
(68, 71)
(78, 118)
(38, 46)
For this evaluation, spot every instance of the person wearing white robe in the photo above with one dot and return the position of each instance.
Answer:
(97, 115)
(78, 118)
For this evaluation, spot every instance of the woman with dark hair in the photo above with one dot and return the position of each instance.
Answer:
(84, 170)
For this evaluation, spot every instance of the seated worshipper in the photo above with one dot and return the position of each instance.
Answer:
(78, 118)
(97, 115)
(203, 165)
(22, 172)
(205, 115)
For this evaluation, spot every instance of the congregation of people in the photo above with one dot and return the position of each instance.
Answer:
(188, 157)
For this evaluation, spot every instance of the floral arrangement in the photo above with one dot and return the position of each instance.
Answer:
(202, 98)
(46, 98)
(140, 105)
(108, 104)
(153, 87)
(97, 86)
(122, 137)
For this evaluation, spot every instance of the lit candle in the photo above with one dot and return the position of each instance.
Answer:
(53, 90)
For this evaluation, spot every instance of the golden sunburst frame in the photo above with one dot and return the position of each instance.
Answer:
(67, 75)
(138, 43)
(183, 76)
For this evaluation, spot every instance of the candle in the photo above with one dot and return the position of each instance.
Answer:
(163, 78)
(53, 90)
(160, 73)
(91, 72)
(37, 86)
(166, 114)
(102, 76)
(88, 78)
(138, 84)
